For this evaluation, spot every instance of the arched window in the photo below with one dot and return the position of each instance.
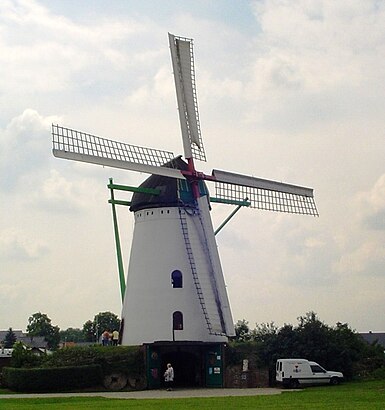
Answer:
(176, 279)
(177, 320)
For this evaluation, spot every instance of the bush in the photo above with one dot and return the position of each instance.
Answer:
(51, 379)
(236, 352)
(335, 348)
(128, 360)
(23, 357)
(123, 362)
(379, 373)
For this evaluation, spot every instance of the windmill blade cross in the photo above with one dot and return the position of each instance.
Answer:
(264, 194)
(80, 146)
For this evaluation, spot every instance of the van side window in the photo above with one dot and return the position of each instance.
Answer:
(317, 369)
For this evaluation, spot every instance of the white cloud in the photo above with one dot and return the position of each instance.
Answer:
(363, 251)
(317, 61)
(373, 206)
(367, 259)
(57, 194)
(15, 245)
(23, 146)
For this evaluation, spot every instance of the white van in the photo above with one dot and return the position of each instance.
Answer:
(301, 372)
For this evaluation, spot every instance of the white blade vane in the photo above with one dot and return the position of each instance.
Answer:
(264, 194)
(79, 146)
(183, 65)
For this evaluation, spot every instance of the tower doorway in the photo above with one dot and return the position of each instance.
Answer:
(195, 364)
(185, 368)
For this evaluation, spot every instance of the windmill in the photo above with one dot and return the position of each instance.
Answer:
(175, 286)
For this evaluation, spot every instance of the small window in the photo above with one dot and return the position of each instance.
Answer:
(176, 279)
(177, 320)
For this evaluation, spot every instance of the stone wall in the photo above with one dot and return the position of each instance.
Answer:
(236, 377)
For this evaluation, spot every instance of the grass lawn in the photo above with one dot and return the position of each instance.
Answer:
(366, 395)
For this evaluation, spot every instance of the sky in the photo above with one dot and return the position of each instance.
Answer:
(292, 91)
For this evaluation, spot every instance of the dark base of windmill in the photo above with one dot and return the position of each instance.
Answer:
(196, 364)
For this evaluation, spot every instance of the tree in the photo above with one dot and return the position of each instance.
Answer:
(264, 332)
(39, 324)
(10, 339)
(314, 338)
(102, 321)
(242, 331)
(72, 335)
(23, 357)
(89, 331)
(334, 347)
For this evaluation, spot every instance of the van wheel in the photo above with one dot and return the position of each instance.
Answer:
(334, 381)
(294, 384)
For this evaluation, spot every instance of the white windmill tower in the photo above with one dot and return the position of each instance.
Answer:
(175, 287)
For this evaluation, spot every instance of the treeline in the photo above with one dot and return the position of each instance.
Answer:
(39, 324)
(334, 347)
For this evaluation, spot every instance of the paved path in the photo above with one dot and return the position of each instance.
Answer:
(154, 394)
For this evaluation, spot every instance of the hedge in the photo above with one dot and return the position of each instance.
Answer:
(124, 359)
(51, 379)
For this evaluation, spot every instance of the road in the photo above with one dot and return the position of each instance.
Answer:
(154, 394)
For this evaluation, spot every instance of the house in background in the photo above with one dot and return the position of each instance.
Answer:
(36, 342)
(372, 337)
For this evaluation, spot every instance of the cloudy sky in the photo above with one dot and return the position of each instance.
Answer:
(288, 90)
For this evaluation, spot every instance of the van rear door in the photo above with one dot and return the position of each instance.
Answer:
(278, 371)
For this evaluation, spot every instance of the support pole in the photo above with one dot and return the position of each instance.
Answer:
(229, 217)
(117, 242)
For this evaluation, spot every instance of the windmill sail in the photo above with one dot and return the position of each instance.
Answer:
(80, 146)
(265, 194)
(184, 75)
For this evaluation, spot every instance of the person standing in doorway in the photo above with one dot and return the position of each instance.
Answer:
(169, 377)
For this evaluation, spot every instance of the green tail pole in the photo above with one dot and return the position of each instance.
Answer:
(244, 203)
(117, 242)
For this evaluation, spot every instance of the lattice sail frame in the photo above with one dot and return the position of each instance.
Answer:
(267, 200)
(72, 141)
(182, 55)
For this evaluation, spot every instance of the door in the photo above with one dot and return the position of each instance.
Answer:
(320, 375)
(154, 371)
(214, 366)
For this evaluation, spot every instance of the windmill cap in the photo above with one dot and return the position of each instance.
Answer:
(167, 186)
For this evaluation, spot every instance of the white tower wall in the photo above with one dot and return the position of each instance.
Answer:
(158, 249)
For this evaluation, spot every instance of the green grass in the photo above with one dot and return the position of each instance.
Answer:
(350, 396)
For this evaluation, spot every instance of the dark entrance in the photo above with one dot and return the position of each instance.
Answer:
(184, 364)
(196, 364)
